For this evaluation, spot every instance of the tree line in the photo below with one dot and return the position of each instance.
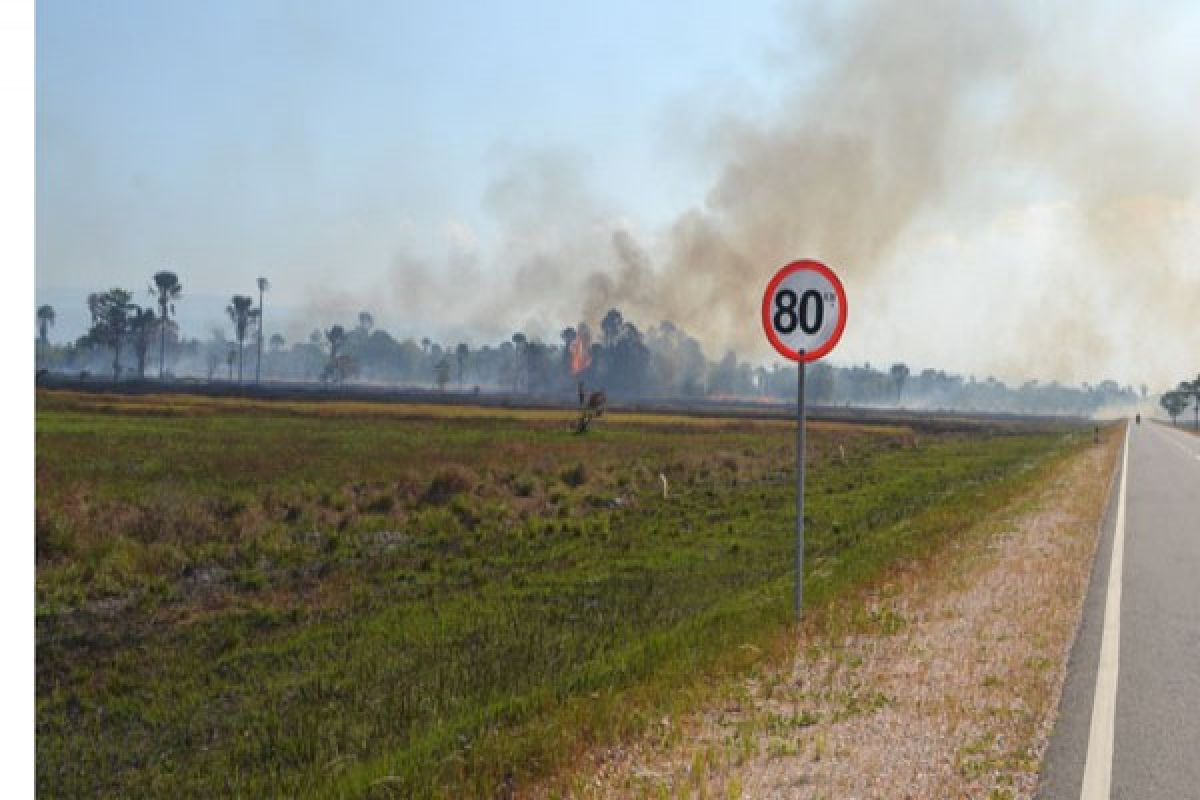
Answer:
(662, 361)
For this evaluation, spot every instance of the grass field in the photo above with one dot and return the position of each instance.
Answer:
(240, 598)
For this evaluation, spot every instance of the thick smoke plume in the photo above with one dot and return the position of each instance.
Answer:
(1002, 186)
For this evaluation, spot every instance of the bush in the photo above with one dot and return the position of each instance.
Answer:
(52, 538)
(449, 481)
(381, 503)
(576, 476)
(524, 485)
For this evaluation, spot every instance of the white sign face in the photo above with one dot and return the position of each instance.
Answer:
(804, 310)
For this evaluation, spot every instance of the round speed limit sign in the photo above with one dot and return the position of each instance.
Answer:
(804, 310)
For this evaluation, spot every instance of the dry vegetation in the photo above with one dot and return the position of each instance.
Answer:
(942, 680)
(260, 599)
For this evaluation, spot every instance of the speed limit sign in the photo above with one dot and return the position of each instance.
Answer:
(804, 310)
(803, 314)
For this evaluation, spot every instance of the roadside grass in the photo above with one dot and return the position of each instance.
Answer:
(861, 680)
(268, 599)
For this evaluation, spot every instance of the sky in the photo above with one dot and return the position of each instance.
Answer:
(1006, 189)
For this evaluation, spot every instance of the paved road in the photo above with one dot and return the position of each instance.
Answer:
(1145, 679)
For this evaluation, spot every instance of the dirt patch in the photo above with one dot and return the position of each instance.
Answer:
(944, 682)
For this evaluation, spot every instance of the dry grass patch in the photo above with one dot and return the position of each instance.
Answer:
(943, 681)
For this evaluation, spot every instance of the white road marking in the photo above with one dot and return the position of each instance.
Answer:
(1097, 770)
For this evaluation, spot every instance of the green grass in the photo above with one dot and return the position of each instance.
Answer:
(323, 600)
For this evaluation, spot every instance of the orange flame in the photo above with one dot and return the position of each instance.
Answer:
(581, 357)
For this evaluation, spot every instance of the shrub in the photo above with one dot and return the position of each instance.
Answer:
(524, 485)
(449, 481)
(52, 538)
(381, 503)
(576, 476)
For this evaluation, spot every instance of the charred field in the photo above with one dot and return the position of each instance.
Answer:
(256, 597)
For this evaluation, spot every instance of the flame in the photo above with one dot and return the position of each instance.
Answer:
(581, 358)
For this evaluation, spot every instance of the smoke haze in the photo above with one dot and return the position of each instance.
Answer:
(1005, 188)
(1002, 188)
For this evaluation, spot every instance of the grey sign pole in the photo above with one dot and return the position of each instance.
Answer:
(800, 420)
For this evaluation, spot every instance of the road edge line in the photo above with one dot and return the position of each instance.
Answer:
(1097, 769)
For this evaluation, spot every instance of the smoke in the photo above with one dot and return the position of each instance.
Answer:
(1003, 187)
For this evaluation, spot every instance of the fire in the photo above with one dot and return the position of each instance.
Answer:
(581, 357)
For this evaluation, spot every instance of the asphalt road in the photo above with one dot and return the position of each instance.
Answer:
(1148, 672)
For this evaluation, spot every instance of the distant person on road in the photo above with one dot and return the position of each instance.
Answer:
(1138, 418)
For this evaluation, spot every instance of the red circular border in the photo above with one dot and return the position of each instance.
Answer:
(780, 347)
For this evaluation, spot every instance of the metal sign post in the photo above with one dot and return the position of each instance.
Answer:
(800, 426)
(803, 315)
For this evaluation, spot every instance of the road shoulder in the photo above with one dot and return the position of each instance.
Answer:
(944, 681)
(1066, 752)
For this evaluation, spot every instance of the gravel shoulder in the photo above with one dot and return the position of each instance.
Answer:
(944, 681)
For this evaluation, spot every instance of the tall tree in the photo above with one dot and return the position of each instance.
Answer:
(110, 321)
(263, 285)
(167, 288)
(568, 335)
(460, 353)
(441, 374)
(519, 340)
(142, 323)
(337, 337)
(340, 366)
(610, 327)
(1193, 389)
(242, 312)
(628, 360)
(1173, 403)
(45, 320)
(899, 373)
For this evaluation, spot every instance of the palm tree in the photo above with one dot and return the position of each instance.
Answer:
(45, 320)
(263, 285)
(899, 373)
(461, 352)
(568, 335)
(242, 313)
(168, 288)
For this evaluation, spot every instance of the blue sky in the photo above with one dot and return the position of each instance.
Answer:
(228, 138)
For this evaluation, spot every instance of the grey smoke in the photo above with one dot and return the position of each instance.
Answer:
(925, 131)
